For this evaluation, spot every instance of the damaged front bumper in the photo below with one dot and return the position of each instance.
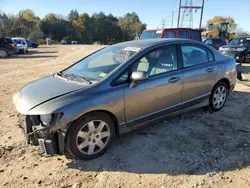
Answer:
(50, 143)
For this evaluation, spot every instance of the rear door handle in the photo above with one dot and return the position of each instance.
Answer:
(174, 79)
(210, 69)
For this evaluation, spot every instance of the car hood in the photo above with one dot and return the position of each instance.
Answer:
(234, 46)
(43, 90)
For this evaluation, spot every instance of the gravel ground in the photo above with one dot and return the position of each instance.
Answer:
(196, 149)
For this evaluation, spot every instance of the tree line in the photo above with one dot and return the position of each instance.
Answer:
(84, 28)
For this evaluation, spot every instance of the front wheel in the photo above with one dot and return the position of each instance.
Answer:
(218, 97)
(90, 136)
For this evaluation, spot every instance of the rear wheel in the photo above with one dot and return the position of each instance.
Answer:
(248, 58)
(218, 97)
(3, 53)
(90, 136)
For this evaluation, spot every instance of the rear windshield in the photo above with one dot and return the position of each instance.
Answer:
(8, 40)
(150, 34)
(183, 34)
(18, 41)
(169, 34)
(240, 41)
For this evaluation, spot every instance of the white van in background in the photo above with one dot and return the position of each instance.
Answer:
(21, 45)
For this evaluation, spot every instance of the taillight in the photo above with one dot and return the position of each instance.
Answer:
(12, 45)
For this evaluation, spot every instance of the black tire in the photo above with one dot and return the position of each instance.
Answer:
(247, 59)
(212, 107)
(71, 143)
(4, 53)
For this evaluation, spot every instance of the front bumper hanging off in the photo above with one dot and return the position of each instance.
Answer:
(35, 134)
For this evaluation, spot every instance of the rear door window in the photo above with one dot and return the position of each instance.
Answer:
(210, 55)
(184, 34)
(18, 41)
(193, 55)
(169, 34)
(195, 34)
(150, 34)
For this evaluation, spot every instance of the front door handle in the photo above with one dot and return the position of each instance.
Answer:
(210, 69)
(174, 79)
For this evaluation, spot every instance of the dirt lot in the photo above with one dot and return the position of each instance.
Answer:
(196, 149)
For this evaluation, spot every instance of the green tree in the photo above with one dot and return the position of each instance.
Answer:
(28, 15)
(4, 20)
(54, 27)
(130, 25)
(73, 15)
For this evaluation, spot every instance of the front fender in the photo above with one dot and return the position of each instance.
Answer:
(77, 104)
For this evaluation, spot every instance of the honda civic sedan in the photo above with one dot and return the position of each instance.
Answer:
(119, 88)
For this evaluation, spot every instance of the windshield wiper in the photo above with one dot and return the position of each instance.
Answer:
(76, 76)
(81, 78)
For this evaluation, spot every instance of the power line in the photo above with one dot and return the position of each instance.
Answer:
(187, 13)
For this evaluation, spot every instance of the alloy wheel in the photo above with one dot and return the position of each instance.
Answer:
(93, 137)
(3, 53)
(219, 96)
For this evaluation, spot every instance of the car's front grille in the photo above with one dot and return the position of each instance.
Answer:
(26, 122)
(23, 123)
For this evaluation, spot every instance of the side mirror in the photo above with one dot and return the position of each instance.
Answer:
(138, 76)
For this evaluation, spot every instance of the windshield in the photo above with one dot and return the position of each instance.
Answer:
(100, 64)
(18, 41)
(150, 34)
(240, 41)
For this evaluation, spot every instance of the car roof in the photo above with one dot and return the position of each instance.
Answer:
(150, 42)
(189, 29)
(18, 38)
(243, 37)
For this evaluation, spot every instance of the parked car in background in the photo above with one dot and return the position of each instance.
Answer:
(7, 47)
(22, 45)
(184, 33)
(64, 42)
(73, 42)
(101, 95)
(215, 42)
(32, 44)
(238, 48)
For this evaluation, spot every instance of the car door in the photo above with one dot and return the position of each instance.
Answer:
(199, 72)
(158, 95)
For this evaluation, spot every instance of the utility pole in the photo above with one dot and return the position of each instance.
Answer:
(179, 14)
(172, 21)
(163, 23)
(187, 13)
(201, 12)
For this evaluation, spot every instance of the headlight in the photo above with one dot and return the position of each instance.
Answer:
(240, 49)
(46, 119)
(50, 119)
(15, 97)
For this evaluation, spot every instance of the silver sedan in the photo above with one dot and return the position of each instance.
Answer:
(119, 88)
